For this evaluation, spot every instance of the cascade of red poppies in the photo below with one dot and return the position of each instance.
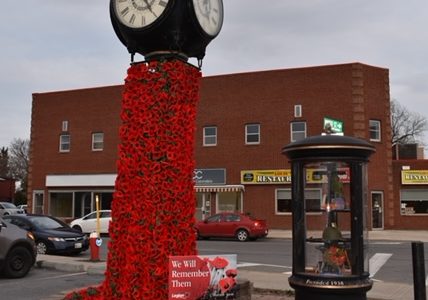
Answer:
(154, 201)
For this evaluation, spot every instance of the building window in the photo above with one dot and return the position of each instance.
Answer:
(64, 126)
(38, 202)
(298, 131)
(298, 111)
(64, 143)
(374, 130)
(76, 204)
(210, 136)
(98, 141)
(283, 201)
(61, 204)
(414, 201)
(252, 134)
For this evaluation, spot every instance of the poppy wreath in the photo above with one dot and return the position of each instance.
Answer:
(154, 202)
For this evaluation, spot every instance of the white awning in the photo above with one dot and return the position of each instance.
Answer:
(219, 188)
(80, 180)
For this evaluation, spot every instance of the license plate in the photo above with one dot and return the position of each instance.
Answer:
(78, 245)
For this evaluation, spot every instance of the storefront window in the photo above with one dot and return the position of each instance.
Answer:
(283, 200)
(82, 204)
(229, 202)
(61, 204)
(106, 198)
(414, 201)
(38, 202)
(76, 204)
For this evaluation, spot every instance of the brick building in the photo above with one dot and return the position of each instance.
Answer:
(7, 189)
(243, 122)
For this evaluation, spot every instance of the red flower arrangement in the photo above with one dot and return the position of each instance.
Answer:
(335, 260)
(335, 256)
(154, 202)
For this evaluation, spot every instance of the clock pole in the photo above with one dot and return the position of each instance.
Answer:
(153, 205)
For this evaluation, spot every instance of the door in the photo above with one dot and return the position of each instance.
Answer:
(38, 202)
(203, 206)
(82, 204)
(377, 210)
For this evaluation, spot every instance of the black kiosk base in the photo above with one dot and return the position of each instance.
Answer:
(330, 287)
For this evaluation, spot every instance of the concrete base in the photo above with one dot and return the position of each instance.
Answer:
(245, 289)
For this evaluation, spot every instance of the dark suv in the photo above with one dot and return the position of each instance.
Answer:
(17, 250)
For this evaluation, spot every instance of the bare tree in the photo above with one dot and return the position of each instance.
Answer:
(18, 160)
(4, 161)
(407, 127)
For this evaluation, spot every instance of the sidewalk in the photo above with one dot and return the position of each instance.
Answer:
(263, 281)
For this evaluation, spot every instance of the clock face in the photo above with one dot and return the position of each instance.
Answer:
(209, 14)
(139, 13)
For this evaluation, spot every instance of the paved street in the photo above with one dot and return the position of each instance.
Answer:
(266, 263)
(45, 284)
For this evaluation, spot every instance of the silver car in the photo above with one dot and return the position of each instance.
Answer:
(17, 250)
(7, 208)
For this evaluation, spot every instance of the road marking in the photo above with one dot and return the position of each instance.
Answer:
(62, 276)
(377, 261)
(243, 265)
(385, 243)
(248, 264)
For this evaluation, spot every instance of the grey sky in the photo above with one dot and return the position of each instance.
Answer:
(49, 45)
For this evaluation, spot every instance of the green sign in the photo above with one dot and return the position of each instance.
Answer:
(332, 126)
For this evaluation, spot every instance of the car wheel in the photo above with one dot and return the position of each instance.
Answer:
(77, 227)
(6, 214)
(42, 248)
(18, 262)
(242, 235)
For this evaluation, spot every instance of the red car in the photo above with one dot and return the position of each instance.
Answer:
(242, 227)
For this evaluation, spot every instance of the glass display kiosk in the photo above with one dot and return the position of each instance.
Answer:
(329, 233)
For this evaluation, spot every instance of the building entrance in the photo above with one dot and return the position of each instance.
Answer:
(377, 210)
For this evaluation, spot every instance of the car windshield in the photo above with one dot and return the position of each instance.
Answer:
(46, 223)
(8, 205)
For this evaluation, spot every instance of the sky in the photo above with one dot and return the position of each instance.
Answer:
(51, 45)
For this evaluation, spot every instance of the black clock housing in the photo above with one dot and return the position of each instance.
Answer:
(175, 33)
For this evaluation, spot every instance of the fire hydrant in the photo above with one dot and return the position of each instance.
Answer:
(94, 245)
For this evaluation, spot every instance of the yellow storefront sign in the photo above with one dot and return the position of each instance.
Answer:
(283, 176)
(414, 177)
(266, 177)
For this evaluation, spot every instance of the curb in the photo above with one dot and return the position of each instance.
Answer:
(73, 267)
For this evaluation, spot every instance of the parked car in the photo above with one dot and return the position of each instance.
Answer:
(242, 227)
(8, 208)
(17, 250)
(88, 223)
(23, 207)
(52, 235)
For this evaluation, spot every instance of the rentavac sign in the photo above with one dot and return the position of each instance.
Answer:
(209, 176)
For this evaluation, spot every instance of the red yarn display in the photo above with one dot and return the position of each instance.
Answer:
(154, 201)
